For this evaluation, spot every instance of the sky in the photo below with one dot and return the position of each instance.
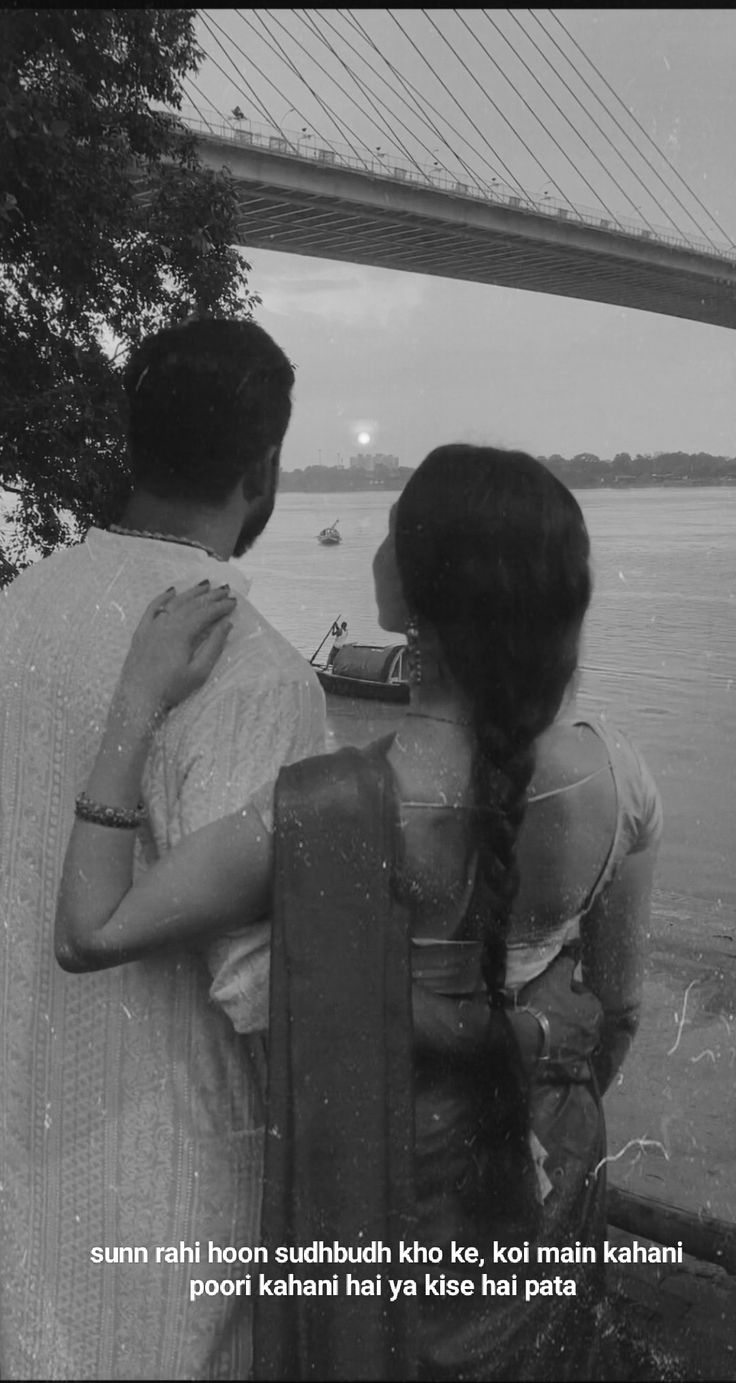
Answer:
(414, 361)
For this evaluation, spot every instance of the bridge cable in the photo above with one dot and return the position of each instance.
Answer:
(362, 85)
(355, 24)
(445, 87)
(253, 99)
(340, 123)
(210, 104)
(639, 126)
(268, 82)
(359, 81)
(547, 131)
(530, 151)
(573, 127)
(329, 112)
(413, 90)
(202, 117)
(325, 42)
(639, 180)
(558, 73)
(249, 58)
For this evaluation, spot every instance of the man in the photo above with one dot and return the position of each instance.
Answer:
(131, 1109)
(340, 637)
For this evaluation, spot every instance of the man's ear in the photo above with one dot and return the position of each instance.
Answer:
(257, 481)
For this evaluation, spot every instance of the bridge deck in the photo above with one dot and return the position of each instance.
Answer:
(298, 206)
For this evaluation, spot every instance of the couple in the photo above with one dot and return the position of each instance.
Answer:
(408, 875)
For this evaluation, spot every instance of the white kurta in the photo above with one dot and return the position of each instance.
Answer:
(130, 1110)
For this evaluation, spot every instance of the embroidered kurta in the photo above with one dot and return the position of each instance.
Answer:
(130, 1111)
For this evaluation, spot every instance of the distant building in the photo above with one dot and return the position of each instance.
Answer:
(372, 462)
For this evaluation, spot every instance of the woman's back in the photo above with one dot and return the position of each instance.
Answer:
(564, 849)
(589, 800)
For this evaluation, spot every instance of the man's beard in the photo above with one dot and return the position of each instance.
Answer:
(253, 526)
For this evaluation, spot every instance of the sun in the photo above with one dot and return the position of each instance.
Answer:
(364, 438)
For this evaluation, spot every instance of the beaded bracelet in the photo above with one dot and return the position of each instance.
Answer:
(125, 818)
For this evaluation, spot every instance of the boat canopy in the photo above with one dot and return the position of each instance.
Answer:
(366, 663)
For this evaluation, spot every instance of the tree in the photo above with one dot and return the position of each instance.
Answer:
(109, 227)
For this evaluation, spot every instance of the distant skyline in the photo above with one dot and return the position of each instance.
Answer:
(411, 361)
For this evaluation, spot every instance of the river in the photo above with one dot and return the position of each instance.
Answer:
(659, 660)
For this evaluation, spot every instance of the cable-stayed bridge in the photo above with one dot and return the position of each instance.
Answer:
(463, 212)
(311, 201)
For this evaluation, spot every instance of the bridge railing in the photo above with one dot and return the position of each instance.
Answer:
(249, 134)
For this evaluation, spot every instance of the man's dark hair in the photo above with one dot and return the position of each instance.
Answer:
(206, 399)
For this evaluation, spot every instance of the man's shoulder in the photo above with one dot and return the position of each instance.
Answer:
(45, 571)
(259, 674)
(256, 653)
(45, 592)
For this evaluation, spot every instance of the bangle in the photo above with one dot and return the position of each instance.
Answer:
(543, 1022)
(125, 818)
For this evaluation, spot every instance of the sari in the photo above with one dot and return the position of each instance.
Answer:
(367, 1140)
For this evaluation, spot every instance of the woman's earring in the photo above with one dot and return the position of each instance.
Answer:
(413, 652)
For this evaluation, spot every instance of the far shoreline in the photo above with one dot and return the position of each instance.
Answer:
(625, 483)
(664, 470)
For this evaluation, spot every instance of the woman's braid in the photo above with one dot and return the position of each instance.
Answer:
(493, 553)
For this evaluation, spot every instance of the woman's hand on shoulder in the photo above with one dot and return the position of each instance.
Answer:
(175, 647)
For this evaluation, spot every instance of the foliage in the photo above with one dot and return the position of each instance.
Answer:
(109, 227)
(664, 468)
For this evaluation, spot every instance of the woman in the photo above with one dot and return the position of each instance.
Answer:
(445, 868)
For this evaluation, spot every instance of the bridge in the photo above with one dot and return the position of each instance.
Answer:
(301, 198)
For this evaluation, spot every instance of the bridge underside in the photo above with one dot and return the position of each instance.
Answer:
(300, 207)
(273, 219)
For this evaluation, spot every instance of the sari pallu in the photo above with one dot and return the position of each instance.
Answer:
(368, 1141)
(340, 1134)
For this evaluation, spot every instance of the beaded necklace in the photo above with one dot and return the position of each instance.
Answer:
(165, 538)
(446, 720)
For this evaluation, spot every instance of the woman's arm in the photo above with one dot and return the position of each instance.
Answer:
(218, 878)
(613, 934)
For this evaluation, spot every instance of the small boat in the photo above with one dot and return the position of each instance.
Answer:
(329, 537)
(367, 672)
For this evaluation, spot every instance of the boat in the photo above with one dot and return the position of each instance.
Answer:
(362, 671)
(367, 672)
(329, 537)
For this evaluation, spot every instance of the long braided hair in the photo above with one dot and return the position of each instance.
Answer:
(492, 552)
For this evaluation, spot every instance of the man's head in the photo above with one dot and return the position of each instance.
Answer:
(209, 404)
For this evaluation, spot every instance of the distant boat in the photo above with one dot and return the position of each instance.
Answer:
(329, 537)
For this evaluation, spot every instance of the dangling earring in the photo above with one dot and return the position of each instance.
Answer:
(413, 651)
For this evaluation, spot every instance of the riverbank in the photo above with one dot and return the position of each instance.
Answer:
(675, 470)
(666, 1323)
